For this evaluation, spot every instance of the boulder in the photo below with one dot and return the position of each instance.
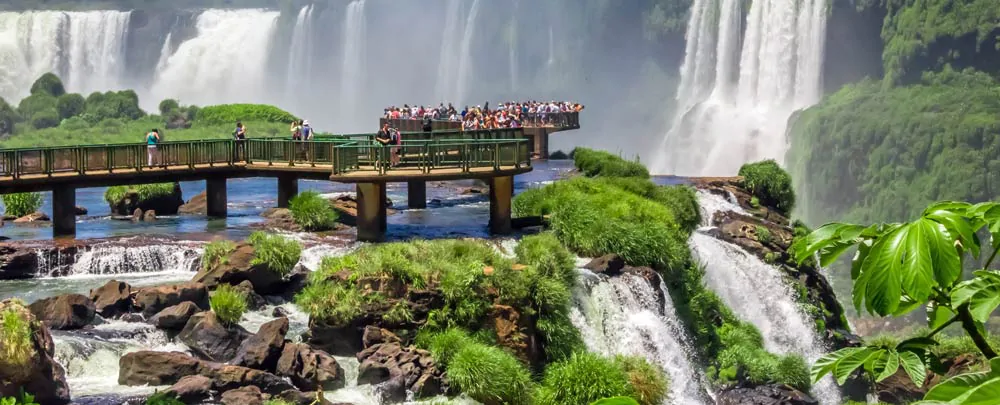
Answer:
(33, 217)
(137, 215)
(163, 204)
(280, 218)
(225, 378)
(209, 339)
(64, 312)
(175, 317)
(250, 395)
(157, 368)
(196, 205)
(17, 263)
(608, 264)
(191, 389)
(295, 397)
(149, 215)
(374, 335)
(152, 300)
(279, 312)
(237, 269)
(772, 394)
(261, 351)
(255, 302)
(392, 391)
(80, 210)
(112, 299)
(310, 369)
(40, 374)
(395, 369)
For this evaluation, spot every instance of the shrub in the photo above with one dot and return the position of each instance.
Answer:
(21, 204)
(49, 84)
(229, 304)
(74, 124)
(7, 117)
(763, 234)
(115, 194)
(117, 105)
(277, 253)
(15, 336)
(70, 105)
(600, 163)
(770, 184)
(45, 119)
(217, 252)
(744, 354)
(648, 381)
(34, 104)
(312, 212)
(231, 113)
(581, 379)
(490, 375)
(444, 345)
(168, 106)
(548, 256)
(163, 398)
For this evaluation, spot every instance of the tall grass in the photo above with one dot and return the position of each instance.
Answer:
(278, 253)
(15, 337)
(217, 252)
(484, 373)
(581, 379)
(115, 194)
(21, 204)
(229, 304)
(312, 212)
(648, 382)
(770, 183)
(600, 163)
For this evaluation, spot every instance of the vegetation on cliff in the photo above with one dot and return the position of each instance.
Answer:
(229, 304)
(275, 252)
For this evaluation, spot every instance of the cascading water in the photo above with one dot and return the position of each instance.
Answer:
(114, 259)
(456, 58)
(300, 57)
(623, 315)
(352, 74)
(724, 123)
(756, 292)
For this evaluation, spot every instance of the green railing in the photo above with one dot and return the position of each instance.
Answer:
(340, 154)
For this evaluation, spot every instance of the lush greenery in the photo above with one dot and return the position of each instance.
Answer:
(600, 163)
(23, 398)
(485, 373)
(15, 334)
(770, 184)
(115, 194)
(870, 154)
(275, 252)
(231, 113)
(217, 252)
(163, 398)
(586, 377)
(229, 304)
(312, 212)
(21, 204)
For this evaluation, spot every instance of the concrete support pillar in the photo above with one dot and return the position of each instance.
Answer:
(417, 194)
(372, 221)
(215, 190)
(64, 211)
(501, 192)
(288, 187)
(541, 142)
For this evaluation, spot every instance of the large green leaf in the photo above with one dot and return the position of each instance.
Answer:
(888, 366)
(881, 276)
(914, 367)
(832, 236)
(956, 386)
(938, 315)
(847, 365)
(945, 259)
(982, 293)
(826, 364)
(915, 258)
(954, 216)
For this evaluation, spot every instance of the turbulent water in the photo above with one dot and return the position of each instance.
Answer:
(622, 315)
(737, 93)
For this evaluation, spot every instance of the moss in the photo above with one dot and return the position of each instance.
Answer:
(217, 252)
(229, 304)
(277, 253)
(312, 212)
(772, 257)
(763, 234)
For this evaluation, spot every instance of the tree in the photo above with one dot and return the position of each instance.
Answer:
(34, 104)
(48, 84)
(45, 119)
(70, 105)
(7, 117)
(168, 106)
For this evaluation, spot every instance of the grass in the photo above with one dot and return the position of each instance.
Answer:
(15, 335)
(163, 398)
(648, 382)
(771, 184)
(583, 378)
(312, 212)
(117, 132)
(115, 194)
(277, 253)
(21, 204)
(277, 401)
(217, 252)
(743, 354)
(229, 304)
(600, 163)
(763, 234)
(485, 373)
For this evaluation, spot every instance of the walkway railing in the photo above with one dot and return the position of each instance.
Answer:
(561, 120)
(340, 155)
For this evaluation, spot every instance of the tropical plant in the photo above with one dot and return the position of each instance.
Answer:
(278, 253)
(21, 204)
(229, 304)
(312, 212)
(217, 252)
(967, 389)
(23, 398)
(615, 401)
(231, 113)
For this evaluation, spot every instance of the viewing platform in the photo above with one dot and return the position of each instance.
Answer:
(495, 156)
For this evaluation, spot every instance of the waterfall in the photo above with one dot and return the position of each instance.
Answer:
(300, 56)
(722, 124)
(86, 49)
(353, 72)
(757, 293)
(455, 64)
(165, 52)
(116, 258)
(224, 62)
(623, 315)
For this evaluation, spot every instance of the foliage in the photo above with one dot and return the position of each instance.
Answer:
(967, 389)
(870, 154)
(15, 334)
(117, 105)
(600, 163)
(682, 200)
(763, 234)
(34, 104)
(115, 131)
(615, 401)
(45, 119)
(770, 184)
(484, 373)
(49, 84)
(168, 106)
(278, 253)
(217, 252)
(145, 192)
(229, 304)
(23, 398)
(231, 113)
(743, 354)
(583, 378)
(277, 401)
(648, 382)
(21, 204)
(70, 105)
(163, 398)
(312, 212)
(7, 117)
(878, 362)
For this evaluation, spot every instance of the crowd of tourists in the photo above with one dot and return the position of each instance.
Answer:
(506, 115)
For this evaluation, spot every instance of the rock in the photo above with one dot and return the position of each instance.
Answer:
(191, 389)
(17, 263)
(261, 351)
(152, 300)
(279, 312)
(64, 312)
(175, 317)
(347, 207)
(133, 318)
(295, 397)
(374, 335)
(157, 368)
(254, 301)
(244, 396)
(209, 339)
(391, 364)
(137, 215)
(40, 374)
(515, 333)
(237, 268)
(608, 264)
(225, 378)
(764, 395)
(149, 215)
(196, 205)
(280, 218)
(112, 299)
(392, 391)
(81, 210)
(310, 369)
(475, 190)
(163, 204)
(33, 217)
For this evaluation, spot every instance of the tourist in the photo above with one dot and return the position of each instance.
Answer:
(296, 130)
(501, 115)
(152, 138)
(240, 135)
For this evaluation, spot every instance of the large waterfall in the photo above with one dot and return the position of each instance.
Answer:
(299, 58)
(728, 114)
(353, 73)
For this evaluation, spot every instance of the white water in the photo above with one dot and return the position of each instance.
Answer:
(224, 63)
(621, 315)
(353, 72)
(86, 49)
(727, 119)
(455, 64)
(300, 58)
(757, 293)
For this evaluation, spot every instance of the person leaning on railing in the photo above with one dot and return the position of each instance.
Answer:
(389, 137)
(240, 136)
(152, 138)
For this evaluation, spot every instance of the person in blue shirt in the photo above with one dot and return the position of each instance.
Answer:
(152, 138)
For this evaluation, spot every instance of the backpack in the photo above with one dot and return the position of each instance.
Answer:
(394, 137)
(306, 132)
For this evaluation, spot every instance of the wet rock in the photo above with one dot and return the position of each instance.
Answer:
(609, 265)
(151, 300)
(237, 269)
(112, 299)
(33, 217)
(149, 216)
(137, 215)
(347, 207)
(196, 205)
(375, 335)
(134, 318)
(279, 312)
(157, 368)
(175, 317)
(475, 190)
(310, 369)
(167, 204)
(515, 333)
(17, 263)
(295, 397)
(392, 391)
(394, 368)
(191, 389)
(64, 312)
(261, 351)
(280, 218)
(39, 373)
(80, 210)
(244, 396)
(209, 339)
(225, 378)
(255, 302)
(765, 395)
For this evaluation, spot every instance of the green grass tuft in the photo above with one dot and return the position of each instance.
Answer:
(163, 398)
(21, 204)
(600, 163)
(15, 338)
(115, 194)
(312, 212)
(217, 252)
(278, 253)
(770, 183)
(490, 375)
(229, 304)
(581, 379)
(648, 382)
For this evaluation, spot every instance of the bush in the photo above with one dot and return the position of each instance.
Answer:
(34, 104)
(548, 256)
(744, 354)
(115, 105)
(49, 84)
(231, 113)
(21, 204)
(168, 106)
(45, 119)
(581, 379)
(600, 163)
(770, 183)
(115, 194)
(217, 252)
(490, 375)
(7, 117)
(74, 124)
(312, 212)
(648, 382)
(70, 105)
(229, 304)
(277, 253)
(444, 345)
(15, 335)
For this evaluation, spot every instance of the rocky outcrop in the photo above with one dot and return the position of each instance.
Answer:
(310, 369)
(37, 372)
(33, 217)
(516, 333)
(175, 317)
(610, 265)
(197, 205)
(152, 300)
(209, 339)
(167, 204)
(254, 301)
(237, 268)
(764, 395)
(396, 369)
(250, 395)
(64, 312)
(167, 368)
(262, 350)
(347, 207)
(191, 389)
(113, 299)
(17, 263)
